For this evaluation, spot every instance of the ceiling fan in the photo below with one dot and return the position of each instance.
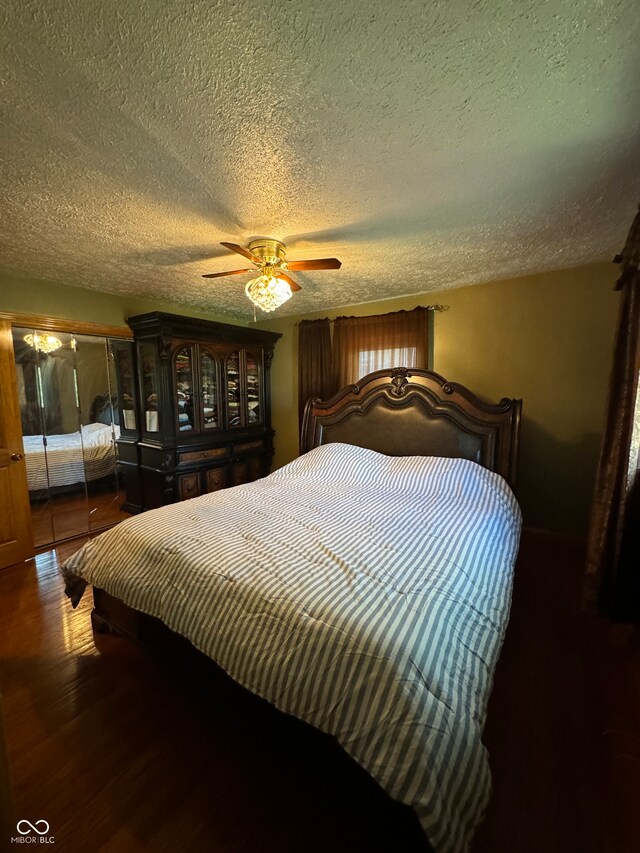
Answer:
(274, 285)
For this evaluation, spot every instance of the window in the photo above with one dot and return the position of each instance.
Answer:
(362, 345)
(359, 345)
(378, 359)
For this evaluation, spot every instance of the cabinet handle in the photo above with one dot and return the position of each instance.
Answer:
(16, 457)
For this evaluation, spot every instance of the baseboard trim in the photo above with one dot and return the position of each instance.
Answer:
(568, 538)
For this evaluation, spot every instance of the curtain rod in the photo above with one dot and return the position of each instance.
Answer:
(435, 307)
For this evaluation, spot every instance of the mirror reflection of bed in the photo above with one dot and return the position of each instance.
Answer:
(70, 422)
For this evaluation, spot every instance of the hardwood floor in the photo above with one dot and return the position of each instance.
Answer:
(119, 751)
(564, 683)
(73, 513)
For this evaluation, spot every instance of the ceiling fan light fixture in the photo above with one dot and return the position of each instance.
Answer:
(268, 292)
(44, 343)
(274, 285)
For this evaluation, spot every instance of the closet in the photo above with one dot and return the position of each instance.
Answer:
(70, 425)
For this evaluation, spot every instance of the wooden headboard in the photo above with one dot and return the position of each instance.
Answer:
(414, 412)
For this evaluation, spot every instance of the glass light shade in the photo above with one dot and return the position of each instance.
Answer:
(44, 343)
(268, 292)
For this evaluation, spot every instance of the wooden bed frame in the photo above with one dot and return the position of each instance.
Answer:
(415, 412)
(400, 412)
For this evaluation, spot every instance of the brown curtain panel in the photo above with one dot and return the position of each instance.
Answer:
(315, 368)
(613, 556)
(364, 344)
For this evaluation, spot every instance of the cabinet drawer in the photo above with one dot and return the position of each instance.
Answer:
(198, 455)
(217, 478)
(188, 486)
(248, 445)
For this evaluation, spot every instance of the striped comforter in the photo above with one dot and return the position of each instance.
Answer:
(365, 594)
(71, 458)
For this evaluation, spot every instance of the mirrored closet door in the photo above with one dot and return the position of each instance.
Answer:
(69, 413)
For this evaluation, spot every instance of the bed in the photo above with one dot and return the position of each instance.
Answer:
(54, 461)
(364, 588)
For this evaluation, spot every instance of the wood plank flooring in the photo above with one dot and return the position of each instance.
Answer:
(119, 751)
(65, 515)
(565, 681)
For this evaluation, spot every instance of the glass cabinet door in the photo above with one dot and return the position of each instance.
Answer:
(234, 418)
(149, 382)
(184, 389)
(209, 390)
(254, 403)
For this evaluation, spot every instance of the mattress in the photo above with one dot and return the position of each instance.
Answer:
(365, 594)
(64, 460)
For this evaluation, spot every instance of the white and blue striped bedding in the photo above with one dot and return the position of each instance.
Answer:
(365, 594)
(76, 457)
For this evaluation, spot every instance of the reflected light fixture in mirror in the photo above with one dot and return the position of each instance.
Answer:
(268, 291)
(44, 343)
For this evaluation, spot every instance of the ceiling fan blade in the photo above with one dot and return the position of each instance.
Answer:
(292, 284)
(247, 254)
(318, 264)
(231, 272)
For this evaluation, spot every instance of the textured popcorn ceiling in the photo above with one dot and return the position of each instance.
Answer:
(425, 144)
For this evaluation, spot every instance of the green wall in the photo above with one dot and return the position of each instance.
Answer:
(21, 295)
(546, 338)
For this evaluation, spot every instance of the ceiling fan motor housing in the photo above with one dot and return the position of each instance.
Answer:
(273, 252)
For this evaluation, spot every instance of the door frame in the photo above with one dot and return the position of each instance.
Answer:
(59, 324)
(17, 540)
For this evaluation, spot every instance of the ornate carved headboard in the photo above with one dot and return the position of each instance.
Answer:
(414, 412)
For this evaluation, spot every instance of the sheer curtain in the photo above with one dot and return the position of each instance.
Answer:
(613, 557)
(364, 344)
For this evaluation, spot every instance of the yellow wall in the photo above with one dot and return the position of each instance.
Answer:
(546, 338)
